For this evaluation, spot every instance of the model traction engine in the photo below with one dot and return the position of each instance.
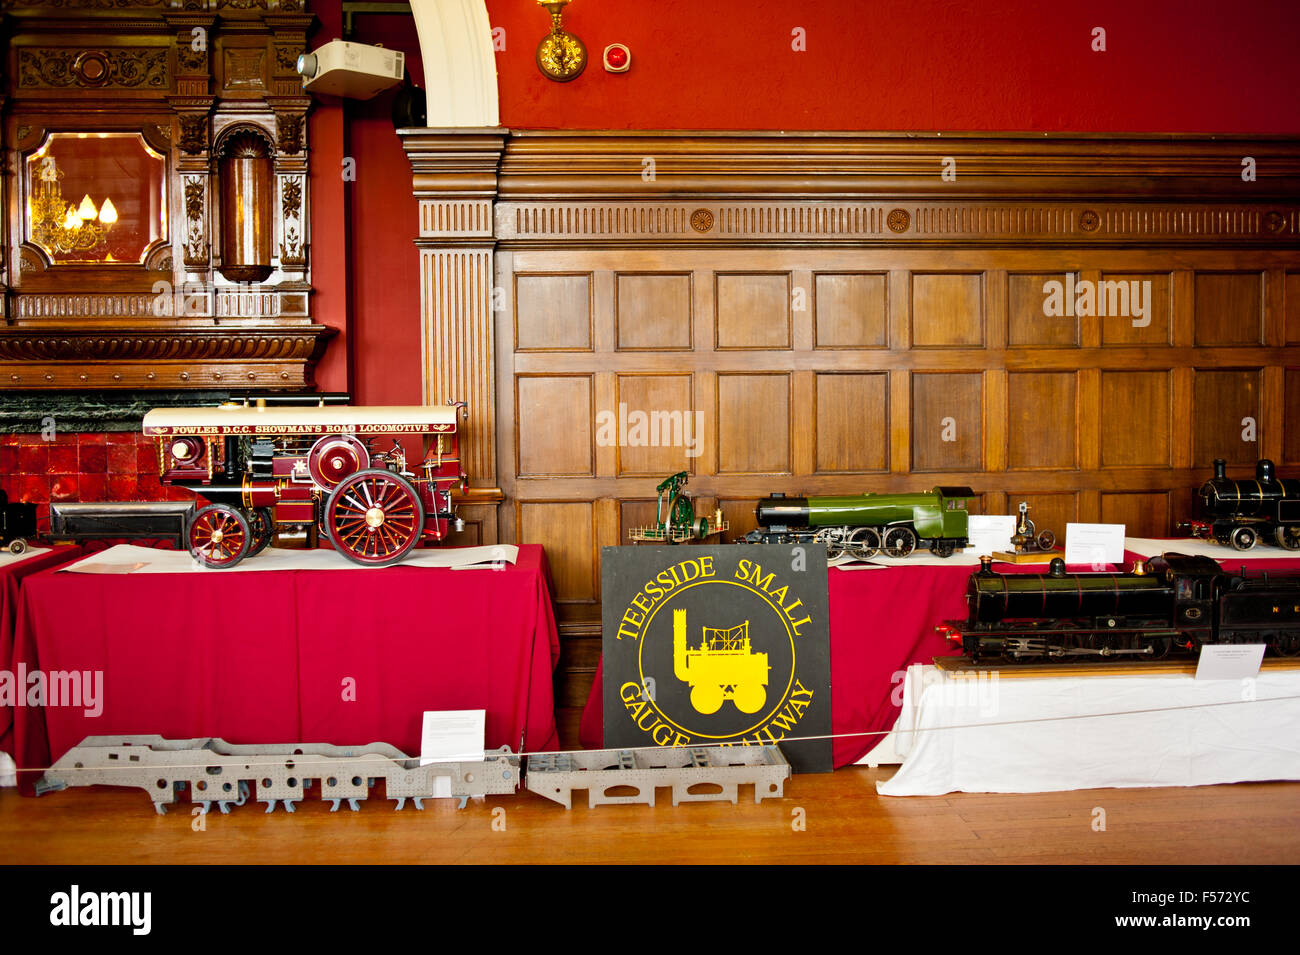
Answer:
(322, 466)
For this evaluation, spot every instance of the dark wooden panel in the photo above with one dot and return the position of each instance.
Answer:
(554, 424)
(1143, 515)
(947, 422)
(740, 516)
(552, 312)
(947, 309)
(753, 423)
(633, 514)
(1223, 403)
(1049, 512)
(1292, 308)
(1136, 416)
(851, 310)
(663, 434)
(1028, 321)
(1152, 327)
(1291, 417)
(753, 310)
(565, 530)
(852, 422)
(1042, 416)
(652, 312)
(1229, 308)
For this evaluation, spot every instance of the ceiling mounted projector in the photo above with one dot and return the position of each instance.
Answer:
(355, 70)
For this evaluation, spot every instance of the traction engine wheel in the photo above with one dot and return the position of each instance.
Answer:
(219, 536)
(374, 517)
(263, 527)
(1243, 538)
(17, 546)
(899, 541)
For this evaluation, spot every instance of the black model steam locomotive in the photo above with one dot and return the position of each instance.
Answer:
(1172, 604)
(17, 523)
(1242, 512)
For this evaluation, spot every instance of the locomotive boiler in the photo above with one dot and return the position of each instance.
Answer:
(1241, 513)
(863, 525)
(1172, 604)
(323, 466)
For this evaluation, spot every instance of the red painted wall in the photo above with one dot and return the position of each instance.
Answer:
(729, 64)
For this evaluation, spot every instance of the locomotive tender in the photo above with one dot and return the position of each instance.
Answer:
(1172, 604)
(864, 524)
(1242, 512)
(17, 522)
(268, 465)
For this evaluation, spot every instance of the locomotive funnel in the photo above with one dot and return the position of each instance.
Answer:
(1220, 469)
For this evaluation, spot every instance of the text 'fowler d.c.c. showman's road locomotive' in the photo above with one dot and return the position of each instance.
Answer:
(1172, 604)
(1243, 512)
(319, 465)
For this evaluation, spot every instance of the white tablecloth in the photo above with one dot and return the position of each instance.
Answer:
(1028, 734)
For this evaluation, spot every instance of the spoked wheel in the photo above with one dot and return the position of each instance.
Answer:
(864, 543)
(263, 527)
(834, 542)
(1288, 537)
(1046, 540)
(374, 517)
(899, 541)
(17, 546)
(219, 536)
(1243, 538)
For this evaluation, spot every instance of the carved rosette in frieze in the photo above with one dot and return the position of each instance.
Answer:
(128, 68)
(289, 132)
(286, 58)
(189, 59)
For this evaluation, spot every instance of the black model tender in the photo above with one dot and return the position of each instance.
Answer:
(17, 523)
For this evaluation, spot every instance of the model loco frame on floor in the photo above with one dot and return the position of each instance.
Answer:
(224, 774)
(266, 465)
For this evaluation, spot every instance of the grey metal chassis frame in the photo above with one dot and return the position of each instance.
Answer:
(216, 771)
(557, 775)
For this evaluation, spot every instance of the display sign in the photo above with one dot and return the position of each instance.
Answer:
(707, 645)
(1094, 543)
(1229, 661)
(989, 532)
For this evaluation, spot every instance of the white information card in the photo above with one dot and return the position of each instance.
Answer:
(1094, 543)
(451, 736)
(989, 532)
(1229, 661)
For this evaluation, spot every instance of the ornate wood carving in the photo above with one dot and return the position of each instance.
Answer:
(126, 68)
(179, 319)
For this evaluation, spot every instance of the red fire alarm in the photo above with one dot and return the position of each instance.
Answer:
(617, 58)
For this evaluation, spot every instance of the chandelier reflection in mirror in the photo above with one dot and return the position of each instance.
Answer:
(96, 198)
(61, 227)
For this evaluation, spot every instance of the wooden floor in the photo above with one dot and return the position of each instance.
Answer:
(844, 822)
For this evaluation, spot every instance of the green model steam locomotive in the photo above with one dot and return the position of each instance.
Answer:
(863, 525)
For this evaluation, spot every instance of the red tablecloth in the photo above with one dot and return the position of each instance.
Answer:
(11, 576)
(882, 622)
(347, 657)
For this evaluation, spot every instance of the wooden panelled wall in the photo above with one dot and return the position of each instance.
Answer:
(838, 317)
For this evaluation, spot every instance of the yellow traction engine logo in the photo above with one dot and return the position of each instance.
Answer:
(721, 668)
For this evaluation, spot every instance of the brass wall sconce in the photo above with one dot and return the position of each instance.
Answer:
(561, 56)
